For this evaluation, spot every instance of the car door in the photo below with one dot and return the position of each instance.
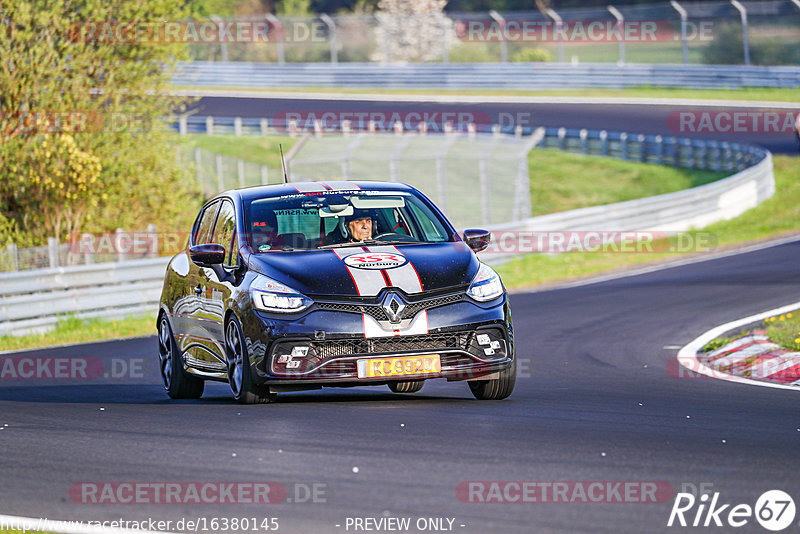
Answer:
(197, 341)
(219, 280)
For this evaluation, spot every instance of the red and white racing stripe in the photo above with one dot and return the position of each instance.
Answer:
(370, 282)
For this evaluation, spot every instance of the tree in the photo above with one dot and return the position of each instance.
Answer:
(411, 30)
(82, 146)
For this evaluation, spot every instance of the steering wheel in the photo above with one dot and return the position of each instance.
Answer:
(401, 236)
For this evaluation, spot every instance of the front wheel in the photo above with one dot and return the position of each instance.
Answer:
(497, 388)
(239, 377)
(178, 383)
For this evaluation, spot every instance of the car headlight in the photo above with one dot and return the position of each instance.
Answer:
(271, 296)
(486, 285)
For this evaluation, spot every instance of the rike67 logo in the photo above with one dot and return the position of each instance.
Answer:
(774, 510)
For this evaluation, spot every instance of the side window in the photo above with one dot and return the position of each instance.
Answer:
(203, 229)
(224, 232)
(425, 219)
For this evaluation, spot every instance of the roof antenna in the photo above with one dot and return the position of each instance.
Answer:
(283, 162)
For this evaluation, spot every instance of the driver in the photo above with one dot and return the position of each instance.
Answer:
(358, 226)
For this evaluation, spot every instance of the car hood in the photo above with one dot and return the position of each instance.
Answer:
(365, 271)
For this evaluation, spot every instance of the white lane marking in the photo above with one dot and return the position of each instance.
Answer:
(671, 347)
(687, 356)
(368, 283)
(65, 527)
(488, 99)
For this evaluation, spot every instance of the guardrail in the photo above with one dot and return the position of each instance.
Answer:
(32, 300)
(528, 76)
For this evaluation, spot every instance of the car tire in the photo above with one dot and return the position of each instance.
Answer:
(410, 386)
(178, 383)
(238, 363)
(498, 388)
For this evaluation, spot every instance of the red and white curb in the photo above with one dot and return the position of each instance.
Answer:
(750, 359)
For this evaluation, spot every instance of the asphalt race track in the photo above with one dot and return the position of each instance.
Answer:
(597, 400)
(647, 119)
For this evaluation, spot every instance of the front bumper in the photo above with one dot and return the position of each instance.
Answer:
(472, 341)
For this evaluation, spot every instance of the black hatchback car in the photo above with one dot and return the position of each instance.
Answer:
(304, 285)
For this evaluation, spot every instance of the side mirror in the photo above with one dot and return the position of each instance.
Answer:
(477, 239)
(207, 255)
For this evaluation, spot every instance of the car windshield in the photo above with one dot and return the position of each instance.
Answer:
(307, 221)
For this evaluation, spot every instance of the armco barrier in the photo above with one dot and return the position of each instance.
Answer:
(32, 300)
(480, 75)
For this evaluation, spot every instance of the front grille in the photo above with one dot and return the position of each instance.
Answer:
(377, 312)
(335, 358)
(392, 345)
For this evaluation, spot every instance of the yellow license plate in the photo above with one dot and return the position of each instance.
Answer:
(402, 366)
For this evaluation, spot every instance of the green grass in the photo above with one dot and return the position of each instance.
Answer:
(753, 93)
(784, 330)
(777, 216)
(562, 181)
(72, 330)
(261, 150)
(781, 329)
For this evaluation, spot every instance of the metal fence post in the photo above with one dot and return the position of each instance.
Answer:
(13, 252)
(264, 124)
(209, 125)
(240, 171)
(87, 244)
(223, 46)
(52, 251)
(119, 235)
(264, 175)
(621, 26)
(659, 150)
(604, 142)
(198, 173)
(152, 232)
(498, 18)
(183, 127)
(743, 14)
(559, 27)
(562, 138)
(237, 126)
(272, 19)
(584, 136)
(446, 41)
(220, 178)
(623, 140)
(329, 22)
(684, 21)
(642, 147)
